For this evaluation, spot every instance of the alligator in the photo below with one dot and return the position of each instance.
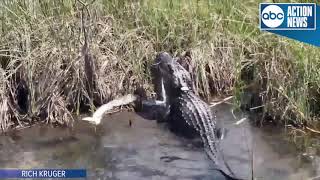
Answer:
(186, 112)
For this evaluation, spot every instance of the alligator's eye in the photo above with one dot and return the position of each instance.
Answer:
(170, 68)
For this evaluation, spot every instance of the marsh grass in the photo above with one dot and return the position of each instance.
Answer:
(64, 57)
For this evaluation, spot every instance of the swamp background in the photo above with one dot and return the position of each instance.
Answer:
(63, 57)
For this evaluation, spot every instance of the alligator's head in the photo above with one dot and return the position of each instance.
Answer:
(174, 76)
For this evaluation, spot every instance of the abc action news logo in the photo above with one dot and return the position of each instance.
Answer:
(287, 16)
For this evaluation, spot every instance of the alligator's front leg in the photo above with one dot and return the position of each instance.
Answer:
(160, 108)
(162, 94)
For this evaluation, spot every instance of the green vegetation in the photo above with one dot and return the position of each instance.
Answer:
(46, 62)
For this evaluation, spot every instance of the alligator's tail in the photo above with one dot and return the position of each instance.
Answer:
(229, 177)
(221, 164)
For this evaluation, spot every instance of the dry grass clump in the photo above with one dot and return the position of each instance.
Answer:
(4, 106)
(54, 67)
(215, 68)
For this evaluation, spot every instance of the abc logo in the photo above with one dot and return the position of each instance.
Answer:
(272, 16)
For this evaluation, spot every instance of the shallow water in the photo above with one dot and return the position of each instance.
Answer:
(148, 150)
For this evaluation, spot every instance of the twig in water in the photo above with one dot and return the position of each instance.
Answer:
(296, 129)
(313, 130)
(257, 107)
(240, 121)
(130, 123)
(252, 165)
(232, 112)
(220, 102)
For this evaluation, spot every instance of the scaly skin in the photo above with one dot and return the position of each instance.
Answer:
(188, 113)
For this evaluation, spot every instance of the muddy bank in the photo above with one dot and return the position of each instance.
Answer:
(148, 150)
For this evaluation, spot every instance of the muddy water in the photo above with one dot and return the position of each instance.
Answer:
(127, 146)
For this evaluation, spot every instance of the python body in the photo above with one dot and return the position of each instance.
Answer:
(186, 112)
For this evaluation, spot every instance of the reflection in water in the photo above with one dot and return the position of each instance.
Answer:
(147, 150)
